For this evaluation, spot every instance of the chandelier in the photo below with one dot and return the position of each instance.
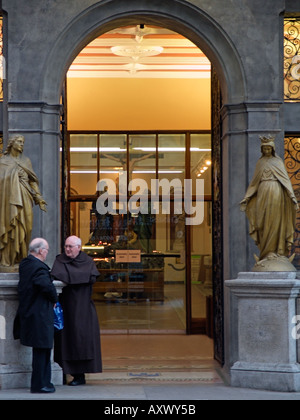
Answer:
(136, 52)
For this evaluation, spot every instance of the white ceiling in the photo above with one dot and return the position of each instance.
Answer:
(180, 58)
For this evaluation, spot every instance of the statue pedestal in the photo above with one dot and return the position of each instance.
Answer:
(15, 359)
(264, 339)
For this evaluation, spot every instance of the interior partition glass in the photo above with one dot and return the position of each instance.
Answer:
(142, 157)
(141, 279)
(171, 156)
(83, 164)
(82, 221)
(113, 156)
(141, 255)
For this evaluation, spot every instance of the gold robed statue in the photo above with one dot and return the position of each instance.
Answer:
(270, 205)
(19, 190)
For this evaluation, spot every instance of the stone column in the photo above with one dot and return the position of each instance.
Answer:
(262, 337)
(15, 359)
(242, 124)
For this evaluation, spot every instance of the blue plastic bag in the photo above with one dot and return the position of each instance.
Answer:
(58, 317)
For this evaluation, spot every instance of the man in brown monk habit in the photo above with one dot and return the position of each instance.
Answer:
(77, 347)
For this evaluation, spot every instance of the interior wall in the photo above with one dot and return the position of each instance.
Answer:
(138, 104)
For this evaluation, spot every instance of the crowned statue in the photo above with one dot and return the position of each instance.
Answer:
(270, 205)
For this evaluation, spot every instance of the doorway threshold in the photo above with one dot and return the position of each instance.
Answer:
(141, 332)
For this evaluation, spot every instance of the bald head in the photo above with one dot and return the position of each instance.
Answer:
(72, 246)
(74, 240)
(39, 248)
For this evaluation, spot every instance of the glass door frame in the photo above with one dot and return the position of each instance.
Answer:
(193, 325)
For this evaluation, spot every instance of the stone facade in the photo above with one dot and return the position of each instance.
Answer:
(242, 38)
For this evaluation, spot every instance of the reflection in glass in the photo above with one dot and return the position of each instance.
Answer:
(80, 220)
(201, 160)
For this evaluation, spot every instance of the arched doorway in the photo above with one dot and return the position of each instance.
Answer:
(152, 121)
(185, 19)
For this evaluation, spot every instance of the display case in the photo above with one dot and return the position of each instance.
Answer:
(127, 274)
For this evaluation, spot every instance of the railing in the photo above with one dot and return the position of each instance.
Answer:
(292, 163)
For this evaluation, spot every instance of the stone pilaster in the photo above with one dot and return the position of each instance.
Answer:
(15, 359)
(263, 331)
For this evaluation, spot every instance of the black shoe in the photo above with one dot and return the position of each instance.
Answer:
(78, 380)
(75, 383)
(44, 390)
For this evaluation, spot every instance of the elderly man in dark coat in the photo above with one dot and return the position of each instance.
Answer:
(77, 347)
(37, 297)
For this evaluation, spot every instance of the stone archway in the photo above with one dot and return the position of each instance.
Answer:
(191, 22)
(180, 16)
(203, 31)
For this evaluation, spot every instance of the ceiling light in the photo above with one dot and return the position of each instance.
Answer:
(136, 52)
(95, 149)
(171, 149)
(117, 172)
(134, 67)
(159, 171)
(92, 172)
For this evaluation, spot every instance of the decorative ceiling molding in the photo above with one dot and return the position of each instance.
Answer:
(140, 52)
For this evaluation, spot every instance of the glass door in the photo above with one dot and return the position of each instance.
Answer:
(200, 237)
(128, 204)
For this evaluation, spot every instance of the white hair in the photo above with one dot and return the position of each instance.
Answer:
(36, 244)
(77, 241)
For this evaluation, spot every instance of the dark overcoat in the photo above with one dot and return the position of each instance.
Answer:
(79, 341)
(37, 296)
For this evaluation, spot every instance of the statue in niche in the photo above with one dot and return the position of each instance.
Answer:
(270, 205)
(19, 189)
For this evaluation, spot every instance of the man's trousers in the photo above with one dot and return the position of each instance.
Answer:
(41, 369)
